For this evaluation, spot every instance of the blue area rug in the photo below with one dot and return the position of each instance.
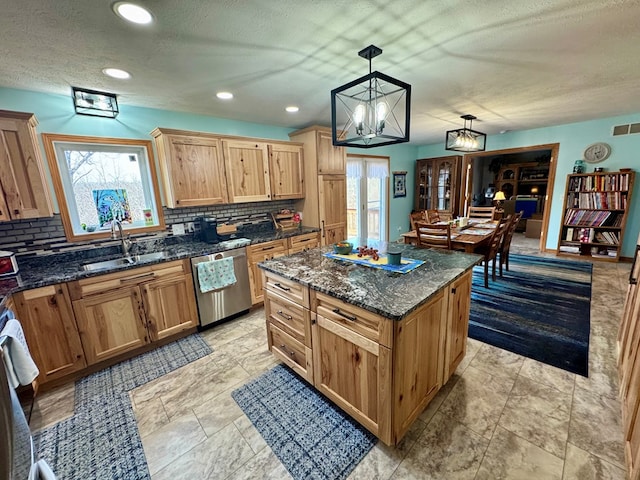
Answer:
(539, 309)
(101, 440)
(312, 438)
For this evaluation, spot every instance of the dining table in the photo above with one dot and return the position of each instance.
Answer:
(468, 237)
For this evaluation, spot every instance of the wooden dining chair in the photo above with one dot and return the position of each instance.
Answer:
(418, 216)
(506, 240)
(433, 216)
(490, 251)
(434, 236)
(484, 213)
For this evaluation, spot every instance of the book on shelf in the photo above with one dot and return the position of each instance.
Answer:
(569, 249)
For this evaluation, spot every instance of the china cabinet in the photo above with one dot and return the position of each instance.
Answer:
(438, 185)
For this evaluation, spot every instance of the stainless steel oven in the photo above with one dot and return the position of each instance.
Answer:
(218, 305)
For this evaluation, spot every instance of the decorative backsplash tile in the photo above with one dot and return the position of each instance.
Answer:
(43, 236)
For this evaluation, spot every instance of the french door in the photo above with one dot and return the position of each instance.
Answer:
(367, 198)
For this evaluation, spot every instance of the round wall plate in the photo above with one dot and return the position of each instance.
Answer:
(597, 152)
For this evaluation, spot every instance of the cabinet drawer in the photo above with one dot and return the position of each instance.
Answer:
(290, 317)
(367, 324)
(300, 243)
(291, 352)
(288, 289)
(100, 283)
(267, 250)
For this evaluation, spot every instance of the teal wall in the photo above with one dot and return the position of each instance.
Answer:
(573, 138)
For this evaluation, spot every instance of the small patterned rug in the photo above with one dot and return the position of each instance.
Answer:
(539, 309)
(312, 437)
(101, 440)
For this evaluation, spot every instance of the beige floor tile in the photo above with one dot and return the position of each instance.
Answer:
(250, 434)
(497, 362)
(596, 426)
(213, 459)
(440, 397)
(581, 465)
(217, 412)
(150, 416)
(548, 375)
(538, 413)
(168, 443)
(473, 347)
(477, 400)
(446, 450)
(510, 457)
(264, 465)
(52, 407)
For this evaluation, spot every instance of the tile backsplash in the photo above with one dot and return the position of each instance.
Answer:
(46, 235)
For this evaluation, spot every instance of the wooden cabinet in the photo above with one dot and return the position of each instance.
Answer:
(594, 215)
(123, 311)
(302, 243)
(50, 329)
(256, 254)
(192, 168)
(23, 189)
(438, 185)
(286, 171)
(459, 293)
(325, 202)
(247, 166)
(520, 178)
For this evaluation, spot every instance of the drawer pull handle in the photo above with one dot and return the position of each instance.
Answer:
(284, 348)
(351, 318)
(282, 314)
(264, 249)
(286, 289)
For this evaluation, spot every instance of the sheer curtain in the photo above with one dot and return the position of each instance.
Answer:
(367, 197)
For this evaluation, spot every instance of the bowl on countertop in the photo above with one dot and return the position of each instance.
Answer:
(343, 248)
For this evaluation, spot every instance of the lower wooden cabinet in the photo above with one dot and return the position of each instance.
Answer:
(457, 324)
(258, 253)
(50, 330)
(304, 242)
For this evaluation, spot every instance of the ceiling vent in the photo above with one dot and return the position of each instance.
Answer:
(626, 129)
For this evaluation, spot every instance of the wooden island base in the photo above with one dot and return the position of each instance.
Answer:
(381, 372)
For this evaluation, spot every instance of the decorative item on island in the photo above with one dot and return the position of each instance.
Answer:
(285, 220)
(377, 344)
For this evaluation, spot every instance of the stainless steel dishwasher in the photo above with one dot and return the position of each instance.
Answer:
(218, 305)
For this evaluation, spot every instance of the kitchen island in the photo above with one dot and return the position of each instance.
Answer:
(379, 344)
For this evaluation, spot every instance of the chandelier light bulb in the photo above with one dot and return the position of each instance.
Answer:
(358, 118)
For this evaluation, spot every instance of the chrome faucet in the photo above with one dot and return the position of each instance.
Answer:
(126, 242)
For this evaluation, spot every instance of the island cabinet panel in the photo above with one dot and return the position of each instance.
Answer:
(291, 352)
(111, 323)
(247, 167)
(50, 329)
(192, 169)
(354, 372)
(286, 171)
(291, 318)
(417, 362)
(459, 295)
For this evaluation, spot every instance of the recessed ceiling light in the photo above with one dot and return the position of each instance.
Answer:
(292, 109)
(224, 95)
(116, 73)
(133, 13)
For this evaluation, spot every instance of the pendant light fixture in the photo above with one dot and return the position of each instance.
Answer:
(95, 103)
(372, 110)
(466, 139)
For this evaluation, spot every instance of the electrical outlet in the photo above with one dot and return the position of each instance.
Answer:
(399, 229)
(177, 229)
(190, 227)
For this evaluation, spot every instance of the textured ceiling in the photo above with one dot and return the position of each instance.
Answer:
(515, 64)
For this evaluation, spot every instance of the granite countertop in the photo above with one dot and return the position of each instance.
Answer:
(392, 295)
(42, 270)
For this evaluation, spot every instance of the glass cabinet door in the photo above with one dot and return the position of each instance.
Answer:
(445, 171)
(425, 186)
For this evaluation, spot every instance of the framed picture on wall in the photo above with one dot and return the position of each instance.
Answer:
(399, 184)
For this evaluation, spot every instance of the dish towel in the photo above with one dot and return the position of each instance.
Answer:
(20, 367)
(216, 274)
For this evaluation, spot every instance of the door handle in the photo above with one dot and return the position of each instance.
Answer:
(323, 229)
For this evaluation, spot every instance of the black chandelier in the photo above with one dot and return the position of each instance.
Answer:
(372, 110)
(95, 103)
(465, 139)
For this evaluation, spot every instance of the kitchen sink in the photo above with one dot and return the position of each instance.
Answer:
(122, 261)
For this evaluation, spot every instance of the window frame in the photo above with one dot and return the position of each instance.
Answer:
(50, 139)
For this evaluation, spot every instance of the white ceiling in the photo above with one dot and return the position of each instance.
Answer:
(515, 64)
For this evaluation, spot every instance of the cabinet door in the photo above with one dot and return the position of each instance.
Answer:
(196, 172)
(629, 333)
(445, 185)
(285, 171)
(256, 254)
(459, 300)
(332, 201)
(302, 243)
(49, 326)
(247, 167)
(424, 185)
(26, 193)
(354, 372)
(331, 160)
(334, 234)
(111, 323)
(169, 306)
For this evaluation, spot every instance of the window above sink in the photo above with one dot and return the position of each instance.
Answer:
(99, 180)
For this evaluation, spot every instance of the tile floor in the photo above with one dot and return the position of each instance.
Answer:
(501, 416)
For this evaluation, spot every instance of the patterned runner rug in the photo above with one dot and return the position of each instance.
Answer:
(312, 438)
(101, 440)
(539, 309)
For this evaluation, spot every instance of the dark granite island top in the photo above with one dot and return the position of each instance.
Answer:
(392, 295)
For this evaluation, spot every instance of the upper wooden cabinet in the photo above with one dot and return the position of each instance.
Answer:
(192, 168)
(247, 166)
(331, 160)
(438, 184)
(23, 188)
(285, 171)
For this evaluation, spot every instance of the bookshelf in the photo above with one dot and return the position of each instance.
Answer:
(595, 212)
